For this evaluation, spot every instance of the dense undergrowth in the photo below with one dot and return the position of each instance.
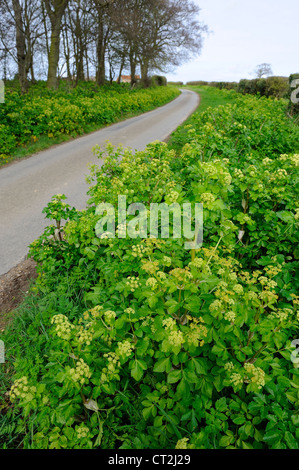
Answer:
(140, 343)
(43, 117)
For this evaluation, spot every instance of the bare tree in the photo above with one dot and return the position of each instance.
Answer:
(145, 35)
(263, 70)
(102, 34)
(22, 18)
(159, 33)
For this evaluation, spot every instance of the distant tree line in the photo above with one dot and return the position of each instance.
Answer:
(277, 87)
(78, 39)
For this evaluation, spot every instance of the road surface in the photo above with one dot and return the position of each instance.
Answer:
(28, 185)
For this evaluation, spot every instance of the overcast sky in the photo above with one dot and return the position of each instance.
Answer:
(245, 33)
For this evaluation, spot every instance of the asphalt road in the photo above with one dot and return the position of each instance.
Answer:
(28, 185)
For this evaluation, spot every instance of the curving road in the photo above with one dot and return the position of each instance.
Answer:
(28, 185)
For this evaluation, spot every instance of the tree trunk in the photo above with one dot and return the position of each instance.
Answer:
(132, 68)
(87, 66)
(100, 78)
(21, 47)
(55, 16)
(120, 71)
(54, 56)
(145, 80)
(66, 54)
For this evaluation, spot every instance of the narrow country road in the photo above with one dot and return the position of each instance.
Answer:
(28, 185)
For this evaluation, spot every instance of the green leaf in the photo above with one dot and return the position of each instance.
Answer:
(221, 404)
(290, 440)
(239, 420)
(137, 369)
(163, 365)
(174, 376)
(226, 441)
(200, 365)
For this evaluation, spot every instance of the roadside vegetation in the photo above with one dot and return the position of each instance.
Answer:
(139, 343)
(43, 117)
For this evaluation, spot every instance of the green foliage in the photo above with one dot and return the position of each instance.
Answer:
(144, 344)
(224, 85)
(276, 87)
(159, 80)
(25, 119)
(197, 83)
(176, 83)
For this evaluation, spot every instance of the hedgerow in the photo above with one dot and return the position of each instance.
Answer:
(25, 118)
(144, 344)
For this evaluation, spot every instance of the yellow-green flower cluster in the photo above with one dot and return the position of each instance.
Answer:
(121, 230)
(239, 174)
(169, 323)
(133, 283)
(181, 275)
(175, 336)
(161, 275)
(152, 282)
(81, 373)
(82, 431)
(150, 266)
(182, 443)
(125, 348)
(22, 390)
(96, 311)
(282, 314)
(139, 250)
(109, 316)
(272, 271)
(197, 263)
(130, 311)
(281, 173)
(257, 375)
(111, 371)
(229, 366)
(85, 335)
(236, 379)
(63, 326)
(166, 261)
(230, 316)
(207, 198)
(215, 306)
(268, 296)
(196, 332)
(295, 159)
(173, 196)
(238, 288)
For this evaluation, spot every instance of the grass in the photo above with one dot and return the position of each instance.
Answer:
(17, 341)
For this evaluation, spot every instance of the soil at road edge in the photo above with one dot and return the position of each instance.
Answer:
(13, 288)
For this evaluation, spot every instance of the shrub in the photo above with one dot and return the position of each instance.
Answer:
(277, 87)
(7, 141)
(158, 80)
